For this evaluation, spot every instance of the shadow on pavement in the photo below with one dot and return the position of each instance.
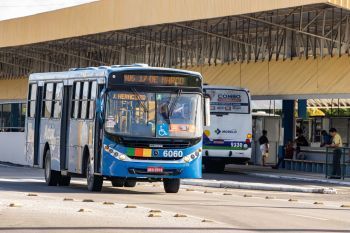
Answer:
(41, 187)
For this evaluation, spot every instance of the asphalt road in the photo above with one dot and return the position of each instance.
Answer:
(224, 210)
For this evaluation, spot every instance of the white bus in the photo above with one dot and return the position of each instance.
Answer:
(228, 138)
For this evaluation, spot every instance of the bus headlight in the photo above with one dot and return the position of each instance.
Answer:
(115, 153)
(187, 159)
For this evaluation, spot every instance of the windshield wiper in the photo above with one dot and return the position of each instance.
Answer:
(174, 102)
(140, 100)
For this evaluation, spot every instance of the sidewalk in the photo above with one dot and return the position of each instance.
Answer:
(268, 172)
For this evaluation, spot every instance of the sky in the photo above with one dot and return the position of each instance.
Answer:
(18, 8)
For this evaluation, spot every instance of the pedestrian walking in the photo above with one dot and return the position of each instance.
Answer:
(264, 147)
(336, 144)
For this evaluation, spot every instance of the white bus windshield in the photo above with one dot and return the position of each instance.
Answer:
(160, 115)
(228, 101)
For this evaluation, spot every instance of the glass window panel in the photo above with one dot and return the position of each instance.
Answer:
(91, 109)
(58, 100)
(58, 109)
(84, 102)
(76, 98)
(6, 115)
(32, 106)
(33, 91)
(15, 121)
(49, 91)
(59, 91)
(85, 90)
(93, 90)
(47, 108)
(76, 108)
(77, 90)
(83, 109)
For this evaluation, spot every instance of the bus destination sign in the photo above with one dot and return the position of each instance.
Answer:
(156, 80)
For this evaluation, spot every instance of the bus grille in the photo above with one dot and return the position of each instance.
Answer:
(155, 158)
(141, 144)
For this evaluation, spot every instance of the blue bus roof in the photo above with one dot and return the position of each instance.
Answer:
(101, 71)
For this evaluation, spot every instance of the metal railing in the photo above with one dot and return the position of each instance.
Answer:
(338, 162)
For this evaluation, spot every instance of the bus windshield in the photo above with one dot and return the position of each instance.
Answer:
(150, 114)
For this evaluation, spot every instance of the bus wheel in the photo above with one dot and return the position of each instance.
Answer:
(118, 182)
(171, 185)
(94, 182)
(51, 177)
(130, 183)
(64, 181)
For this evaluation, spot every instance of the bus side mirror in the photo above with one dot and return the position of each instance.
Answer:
(206, 111)
(100, 107)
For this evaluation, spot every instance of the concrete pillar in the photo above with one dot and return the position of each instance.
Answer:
(302, 109)
(288, 120)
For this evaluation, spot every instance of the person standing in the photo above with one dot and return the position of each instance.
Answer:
(326, 138)
(264, 147)
(336, 144)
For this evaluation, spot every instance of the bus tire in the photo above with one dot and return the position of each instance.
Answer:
(171, 185)
(64, 181)
(94, 182)
(51, 176)
(130, 183)
(118, 182)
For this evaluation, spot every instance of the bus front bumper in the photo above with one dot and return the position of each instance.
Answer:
(112, 167)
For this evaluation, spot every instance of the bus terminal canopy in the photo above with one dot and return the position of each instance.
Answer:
(252, 37)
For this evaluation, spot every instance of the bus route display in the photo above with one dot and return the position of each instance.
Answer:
(155, 80)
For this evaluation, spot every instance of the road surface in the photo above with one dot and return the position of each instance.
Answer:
(206, 209)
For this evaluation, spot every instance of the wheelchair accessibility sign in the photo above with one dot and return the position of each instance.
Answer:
(163, 130)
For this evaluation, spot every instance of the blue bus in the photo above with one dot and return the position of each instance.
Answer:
(119, 123)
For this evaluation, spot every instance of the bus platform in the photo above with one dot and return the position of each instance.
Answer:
(285, 175)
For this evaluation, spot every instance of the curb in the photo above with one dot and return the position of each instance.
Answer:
(283, 177)
(257, 186)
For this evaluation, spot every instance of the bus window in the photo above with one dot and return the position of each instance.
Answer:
(83, 100)
(75, 105)
(91, 103)
(47, 102)
(58, 100)
(32, 100)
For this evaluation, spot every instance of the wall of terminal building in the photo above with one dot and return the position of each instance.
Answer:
(13, 94)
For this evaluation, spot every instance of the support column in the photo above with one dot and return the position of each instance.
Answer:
(302, 109)
(288, 120)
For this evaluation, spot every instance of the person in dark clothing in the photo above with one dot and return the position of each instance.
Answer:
(326, 138)
(337, 152)
(300, 141)
(264, 146)
(288, 154)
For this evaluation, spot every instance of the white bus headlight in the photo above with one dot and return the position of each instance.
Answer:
(121, 157)
(187, 159)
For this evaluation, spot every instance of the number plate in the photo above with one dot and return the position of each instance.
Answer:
(154, 169)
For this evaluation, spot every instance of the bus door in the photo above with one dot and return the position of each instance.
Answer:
(38, 109)
(98, 127)
(65, 126)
